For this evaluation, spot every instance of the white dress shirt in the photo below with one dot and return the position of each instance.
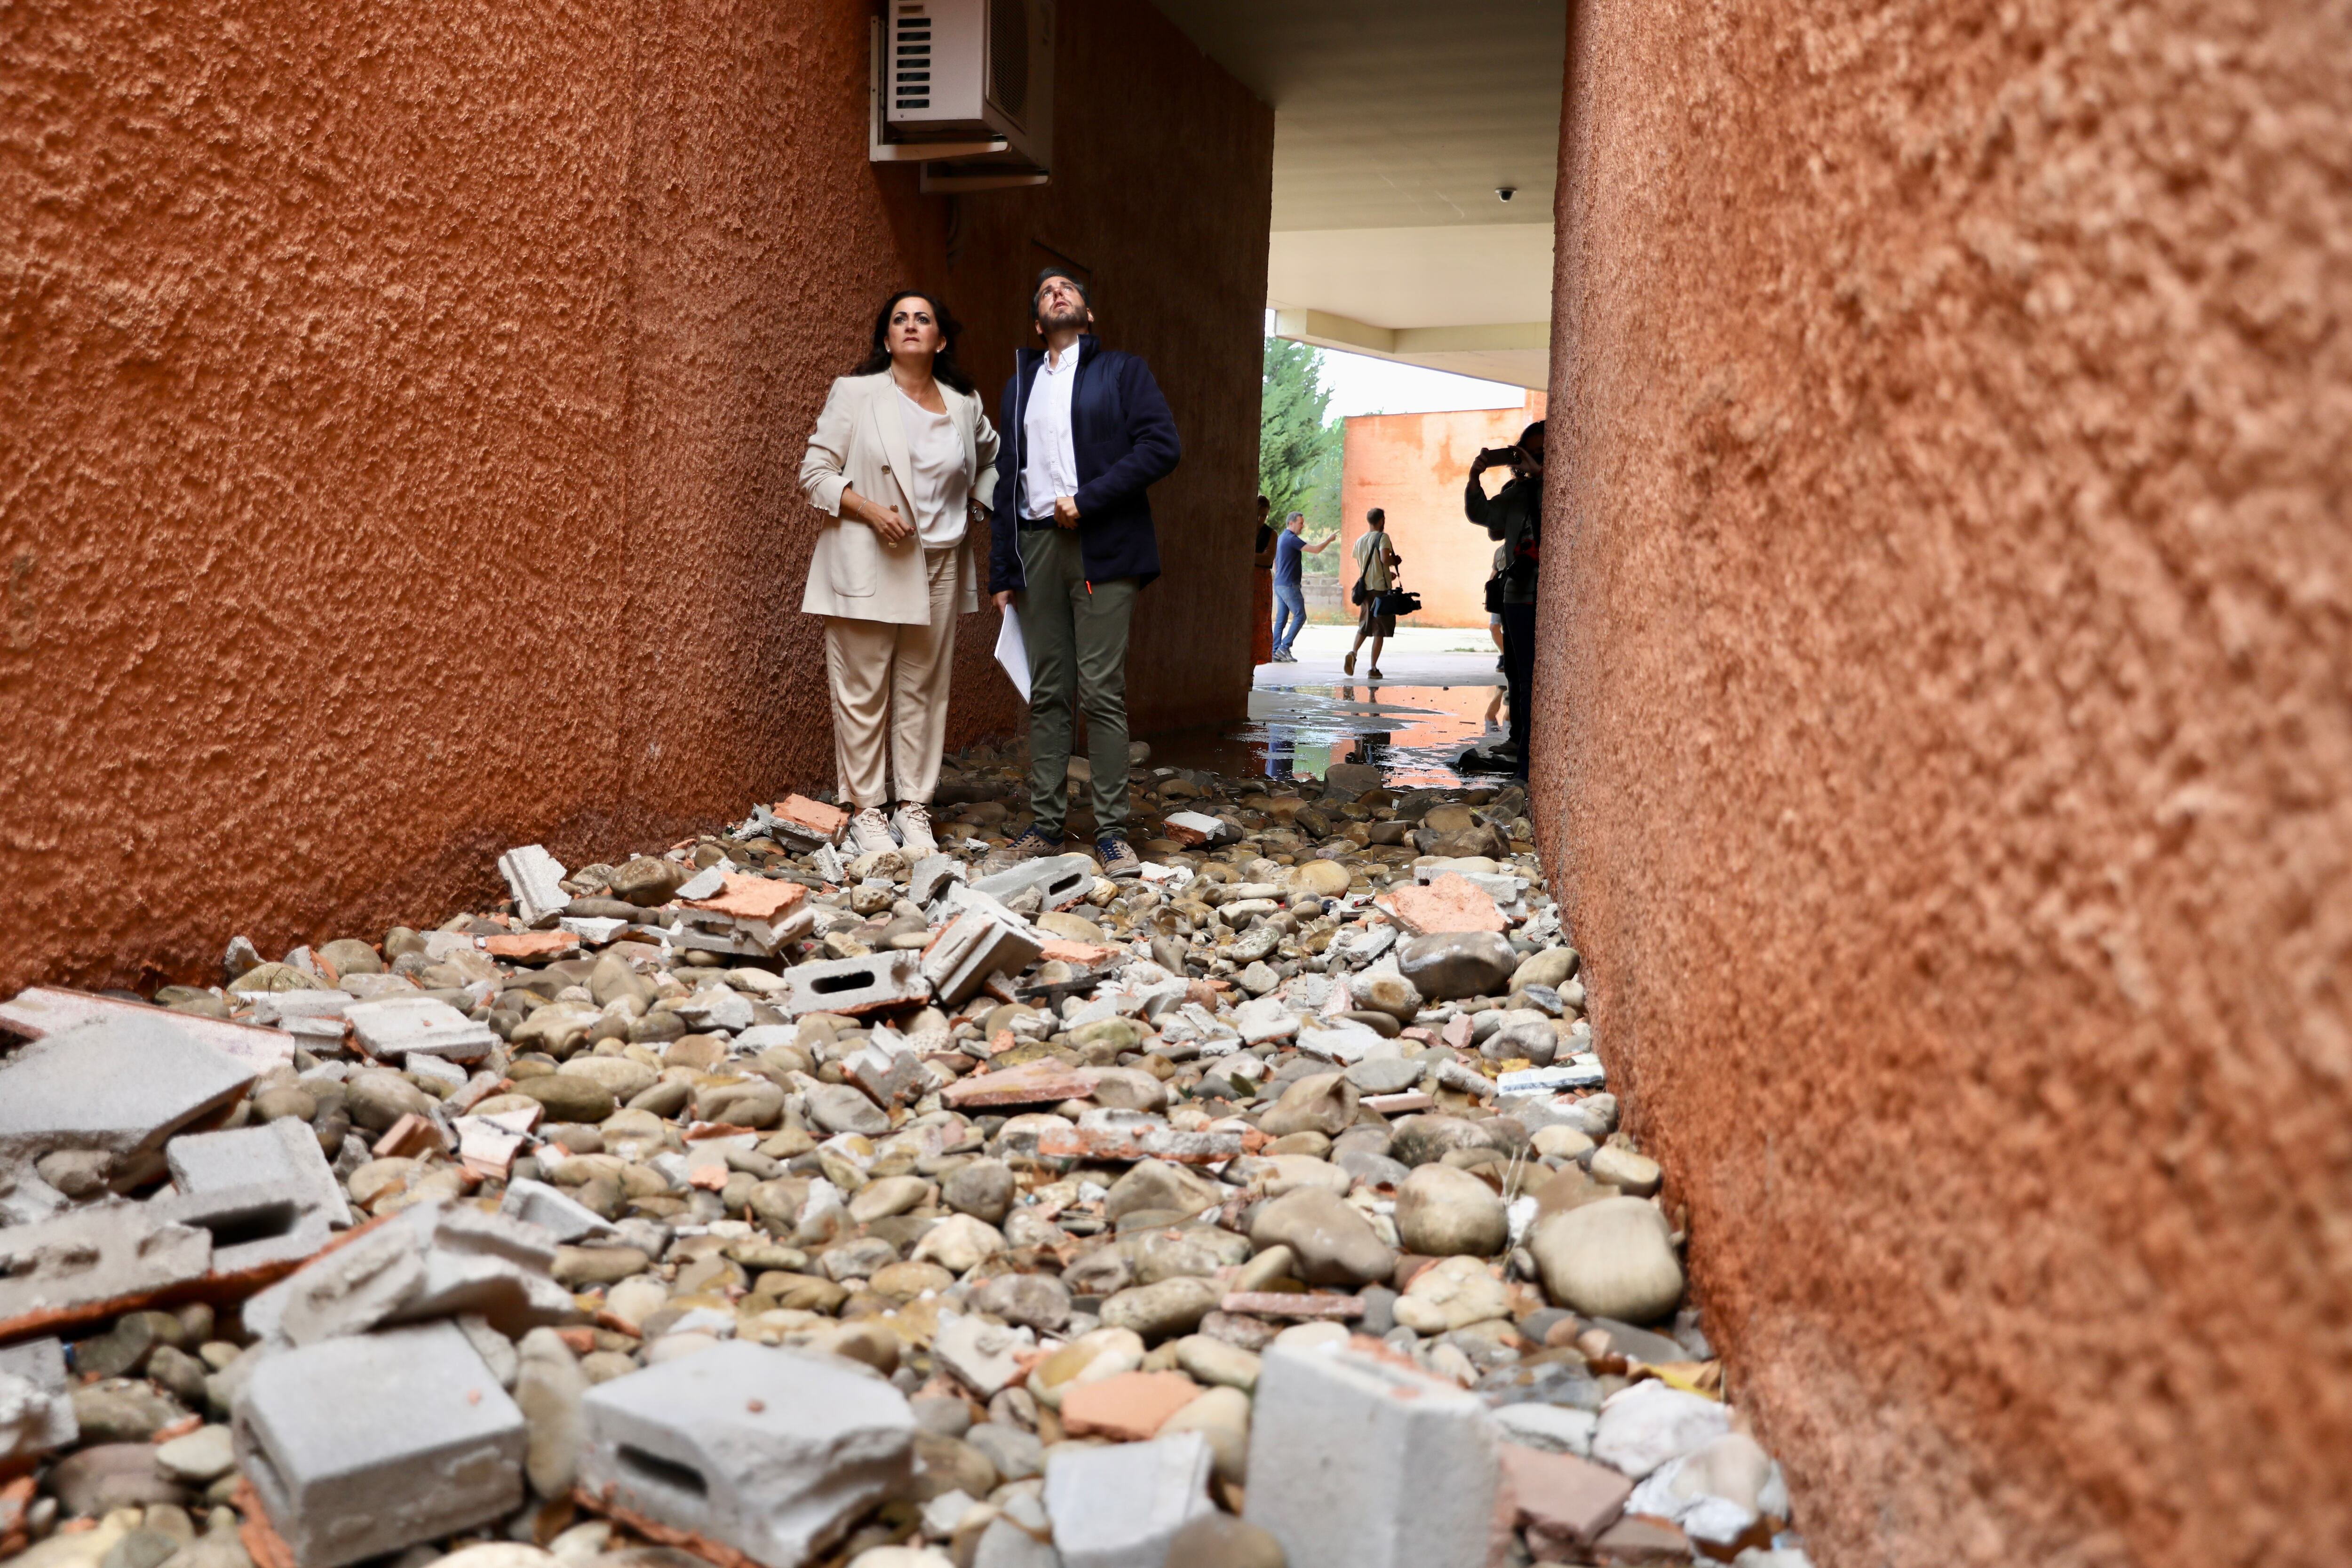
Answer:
(938, 489)
(1049, 463)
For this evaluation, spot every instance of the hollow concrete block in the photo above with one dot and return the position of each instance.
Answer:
(363, 1445)
(533, 876)
(391, 1028)
(122, 1083)
(548, 1208)
(256, 1224)
(852, 986)
(36, 1412)
(978, 942)
(769, 1451)
(1121, 1505)
(1060, 880)
(1358, 1460)
(429, 1261)
(283, 1154)
(97, 1252)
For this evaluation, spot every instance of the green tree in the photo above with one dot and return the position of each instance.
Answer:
(1297, 451)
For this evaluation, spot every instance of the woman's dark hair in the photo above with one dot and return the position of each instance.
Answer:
(943, 365)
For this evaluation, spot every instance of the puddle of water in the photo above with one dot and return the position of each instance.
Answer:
(1414, 734)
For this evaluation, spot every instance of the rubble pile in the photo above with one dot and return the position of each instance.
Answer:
(758, 1201)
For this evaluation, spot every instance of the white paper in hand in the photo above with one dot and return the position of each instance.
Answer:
(1012, 653)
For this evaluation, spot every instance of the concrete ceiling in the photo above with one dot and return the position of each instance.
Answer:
(1396, 122)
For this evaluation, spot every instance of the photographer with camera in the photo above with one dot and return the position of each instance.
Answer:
(1514, 517)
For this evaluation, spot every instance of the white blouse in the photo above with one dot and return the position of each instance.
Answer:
(939, 489)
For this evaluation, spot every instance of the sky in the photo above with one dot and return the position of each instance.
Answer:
(1360, 384)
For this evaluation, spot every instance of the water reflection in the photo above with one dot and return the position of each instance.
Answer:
(1414, 734)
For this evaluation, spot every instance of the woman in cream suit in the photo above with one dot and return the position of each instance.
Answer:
(903, 465)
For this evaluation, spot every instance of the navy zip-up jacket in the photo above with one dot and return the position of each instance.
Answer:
(1124, 438)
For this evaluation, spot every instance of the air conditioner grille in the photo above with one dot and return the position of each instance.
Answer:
(910, 64)
(1008, 57)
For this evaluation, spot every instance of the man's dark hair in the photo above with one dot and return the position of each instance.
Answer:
(1262, 501)
(1534, 431)
(943, 365)
(1378, 516)
(1037, 287)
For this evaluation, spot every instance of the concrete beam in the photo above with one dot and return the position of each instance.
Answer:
(1517, 352)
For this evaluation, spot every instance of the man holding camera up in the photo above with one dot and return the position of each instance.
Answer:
(1514, 516)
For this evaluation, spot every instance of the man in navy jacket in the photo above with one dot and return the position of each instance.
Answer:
(1084, 432)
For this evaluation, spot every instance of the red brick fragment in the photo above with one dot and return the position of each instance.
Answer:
(1127, 1407)
(1451, 902)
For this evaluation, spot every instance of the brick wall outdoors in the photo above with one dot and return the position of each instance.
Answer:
(1414, 464)
(1949, 611)
(405, 405)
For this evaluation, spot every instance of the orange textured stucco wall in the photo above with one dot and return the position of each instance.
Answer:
(1947, 602)
(402, 410)
(1414, 464)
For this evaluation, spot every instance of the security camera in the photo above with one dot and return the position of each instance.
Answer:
(1504, 193)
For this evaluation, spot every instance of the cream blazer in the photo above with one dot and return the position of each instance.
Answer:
(860, 443)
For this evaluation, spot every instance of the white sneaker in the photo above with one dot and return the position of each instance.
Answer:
(871, 830)
(915, 830)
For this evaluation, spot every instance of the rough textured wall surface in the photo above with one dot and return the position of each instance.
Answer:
(403, 412)
(1413, 466)
(1947, 605)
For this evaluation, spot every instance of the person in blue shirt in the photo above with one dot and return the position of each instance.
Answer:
(1289, 593)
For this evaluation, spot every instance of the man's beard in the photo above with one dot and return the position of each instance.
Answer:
(1067, 318)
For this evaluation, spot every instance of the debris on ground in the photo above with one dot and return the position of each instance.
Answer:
(753, 1202)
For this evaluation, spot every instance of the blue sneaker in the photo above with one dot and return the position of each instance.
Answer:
(1118, 859)
(1028, 846)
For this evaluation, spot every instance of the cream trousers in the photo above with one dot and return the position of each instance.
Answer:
(892, 678)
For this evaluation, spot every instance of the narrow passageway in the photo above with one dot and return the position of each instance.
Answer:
(1184, 1219)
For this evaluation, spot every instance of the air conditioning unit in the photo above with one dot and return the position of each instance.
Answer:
(965, 87)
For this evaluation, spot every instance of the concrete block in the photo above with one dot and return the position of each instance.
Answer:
(251, 1225)
(1120, 1505)
(1503, 890)
(283, 1154)
(707, 883)
(532, 875)
(1358, 1460)
(429, 1261)
(983, 1356)
(976, 942)
(888, 1070)
(769, 1451)
(537, 1202)
(852, 986)
(486, 1148)
(438, 1068)
(121, 1084)
(36, 1412)
(594, 929)
(1197, 827)
(720, 931)
(716, 1007)
(97, 1252)
(1579, 1072)
(799, 822)
(281, 1007)
(46, 1010)
(360, 1447)
(932, 873)
(1060, 880)
(396, 1026)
